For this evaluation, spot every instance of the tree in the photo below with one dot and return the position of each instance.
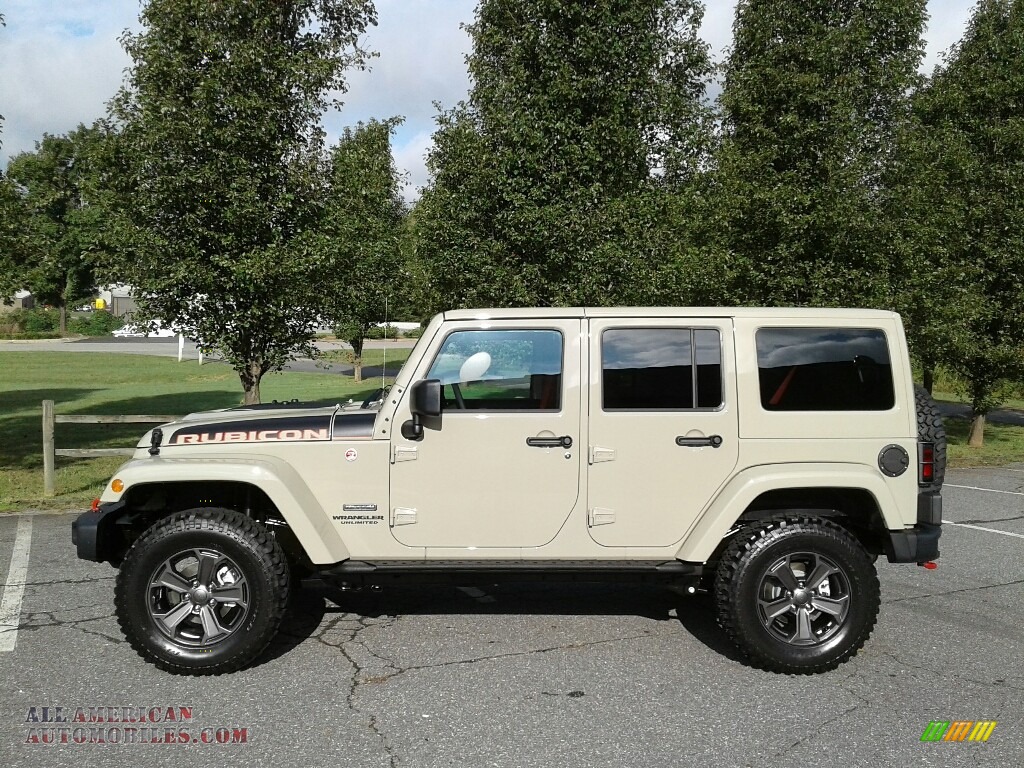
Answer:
(932, 284)
(971, 111)
(61, 223)
(2, 24)
(15, 244)
(362, 233)
(814, 96)
(581, 120)
(221, 174)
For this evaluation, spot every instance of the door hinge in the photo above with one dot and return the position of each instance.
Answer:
(600, 516)
(402, 516)
(599, 454)
(403, 453)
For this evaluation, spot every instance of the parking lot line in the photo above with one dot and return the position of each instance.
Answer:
(14, 587)
(990, 490)
(982, 528)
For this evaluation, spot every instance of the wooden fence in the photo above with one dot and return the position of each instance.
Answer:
(50, 452)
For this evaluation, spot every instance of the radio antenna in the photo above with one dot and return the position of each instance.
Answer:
(384, 365)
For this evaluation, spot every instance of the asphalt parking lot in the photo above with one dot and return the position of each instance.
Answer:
(535, 675)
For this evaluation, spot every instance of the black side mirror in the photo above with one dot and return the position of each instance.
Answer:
(425, 403)
(425, 398)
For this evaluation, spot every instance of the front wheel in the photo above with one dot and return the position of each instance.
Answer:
(202, 592)
(796, 596)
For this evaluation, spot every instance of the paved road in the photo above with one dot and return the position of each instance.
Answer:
(541, 676)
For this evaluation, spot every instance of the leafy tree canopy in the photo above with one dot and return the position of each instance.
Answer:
(577, 115)
(220, 156)
(972, 144)
(361, 237)
(813, 99)
(58, 221)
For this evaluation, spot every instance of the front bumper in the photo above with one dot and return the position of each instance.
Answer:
(919, 544)
(93, 532)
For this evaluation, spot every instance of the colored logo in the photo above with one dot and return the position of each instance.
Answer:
(958, 730)
(351, 454)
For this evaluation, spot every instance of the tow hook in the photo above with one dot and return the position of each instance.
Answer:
(931, 565)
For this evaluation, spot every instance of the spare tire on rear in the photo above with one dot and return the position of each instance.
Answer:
(931, 430)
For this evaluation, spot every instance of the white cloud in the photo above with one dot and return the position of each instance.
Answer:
(946, 25)
(410, 156)
(60, 62)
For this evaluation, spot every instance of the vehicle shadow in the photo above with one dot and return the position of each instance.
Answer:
(316, 603)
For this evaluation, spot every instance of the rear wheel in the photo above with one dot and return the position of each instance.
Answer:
(202, 592)
(796, 595)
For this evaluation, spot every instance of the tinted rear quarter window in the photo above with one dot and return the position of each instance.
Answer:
(824, 369)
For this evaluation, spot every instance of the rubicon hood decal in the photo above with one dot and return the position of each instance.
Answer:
(286, 429)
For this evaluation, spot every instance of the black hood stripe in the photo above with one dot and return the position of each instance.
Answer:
(354, 425)
(280, 429)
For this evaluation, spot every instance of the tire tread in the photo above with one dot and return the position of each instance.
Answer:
(752, 539)
(246, 532)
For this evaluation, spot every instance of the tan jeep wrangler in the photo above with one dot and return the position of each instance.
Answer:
(766, 455)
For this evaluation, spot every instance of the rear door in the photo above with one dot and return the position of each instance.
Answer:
(663, 425)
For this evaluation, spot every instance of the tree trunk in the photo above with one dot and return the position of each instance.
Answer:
(357, 358)
(976, 437)
(250, 378)
(63, 319)
(929, 378)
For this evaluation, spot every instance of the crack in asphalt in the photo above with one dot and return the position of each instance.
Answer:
(843, 685)
(953, 592)
(361, 623)
(817, 732)
(29, 624)
(944, 672)
(65, 581)
(351, 637)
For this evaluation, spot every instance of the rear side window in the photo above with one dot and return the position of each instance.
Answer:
(661, 369)
(824, 369)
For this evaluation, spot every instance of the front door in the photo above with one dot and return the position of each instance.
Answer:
(663, 426)
(503, 469)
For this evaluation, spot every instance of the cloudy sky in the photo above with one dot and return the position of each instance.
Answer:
(60, 62)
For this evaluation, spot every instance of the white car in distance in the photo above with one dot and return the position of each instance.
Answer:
(144, 330)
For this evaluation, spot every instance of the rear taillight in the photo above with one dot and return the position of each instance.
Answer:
(926, 463)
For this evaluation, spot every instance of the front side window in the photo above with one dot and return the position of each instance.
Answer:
(661, 369)
(518, 370)
(824, 369)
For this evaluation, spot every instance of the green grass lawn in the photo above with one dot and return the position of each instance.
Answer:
(85, 383)
(1004, 444)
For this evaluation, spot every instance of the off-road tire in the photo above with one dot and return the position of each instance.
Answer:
(744, 572)
(930, 429)
(250, 555)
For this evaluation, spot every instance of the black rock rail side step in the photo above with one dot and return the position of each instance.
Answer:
(357, 572)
